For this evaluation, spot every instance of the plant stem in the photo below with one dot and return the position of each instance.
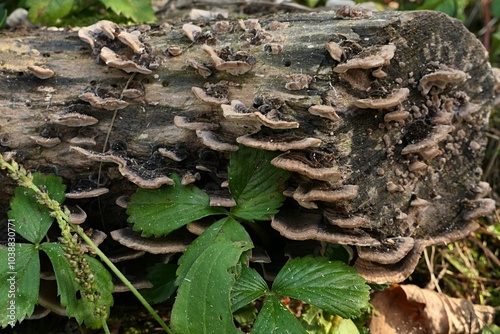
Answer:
(122, 278)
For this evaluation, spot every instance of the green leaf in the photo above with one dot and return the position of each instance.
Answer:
(140, 11)
(80, 308)
(331, 286)
(163, 278)
(20, 281)
(32, 219)
(160, 211)
(203, 299)
(275, 318)
(248, 287)
(224, 230)
(255, 184)
(48, 11)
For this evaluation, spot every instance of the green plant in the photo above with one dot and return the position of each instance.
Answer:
(214, 271)
(83, 283)
(60, 12)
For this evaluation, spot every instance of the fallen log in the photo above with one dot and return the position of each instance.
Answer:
(381, 116)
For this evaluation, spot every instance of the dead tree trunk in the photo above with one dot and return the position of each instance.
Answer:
(383, 114)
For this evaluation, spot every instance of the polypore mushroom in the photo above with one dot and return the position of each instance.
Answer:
(334, 50)
(306, 194)
(203, 95)
(140, 176)
(113, 60)
(343, 221)
(234, 67)
(46, 142)
(283, 142)
(174, 50)
(392, 100)
(89, 34)
(221, 198)
(299, 162)
(438, 134)
(397, 272)
(298, 225)
(97, 238)
(123, 201)
(41, 72)
(440, 79)
(387, 253)
(373, 57)
(324, 111)
(191, 31)
(108, 103)
(73, 119)
(86, 193)
(477, 208)
(77, 216)
(215, 142)
(163, 245)
(199, 67)
(132, 40)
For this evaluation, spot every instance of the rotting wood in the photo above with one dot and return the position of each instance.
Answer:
(409, 155)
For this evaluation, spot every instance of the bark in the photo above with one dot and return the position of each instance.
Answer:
(365, 149)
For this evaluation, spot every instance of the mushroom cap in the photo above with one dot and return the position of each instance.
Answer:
(199, 67)
(113, 60)
(395, 98)
(132, 40)
(104, 27)
(77, 216)
(324, 111)
(191, 30)
(440, 79)
(438, 134)
(46, 142)
(202, 95)
(273, 120)
(108, 103)
(372, 57)
(278, 143)
(380, 274)
(41, 72)
(73, 119)
(215, 142)
(87, 193)
(298, 225)
(297, 162)
(388, 253)
(334, 50)
(163, 245)
(134, 173)
(306, 194)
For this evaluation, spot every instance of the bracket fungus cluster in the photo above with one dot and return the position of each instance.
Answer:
(383, 133)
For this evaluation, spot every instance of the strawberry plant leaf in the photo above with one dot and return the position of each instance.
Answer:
(203, 299)
(80, 308)
(20, 277)
(140, 11)
(163, 278)
(255, 184)
(248, 287)
(331, 286)
(48, 11)
(224, 230)
(33, 219)
(275, 318)
(160, 211)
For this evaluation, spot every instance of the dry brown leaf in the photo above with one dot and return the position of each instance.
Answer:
(411, 310)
